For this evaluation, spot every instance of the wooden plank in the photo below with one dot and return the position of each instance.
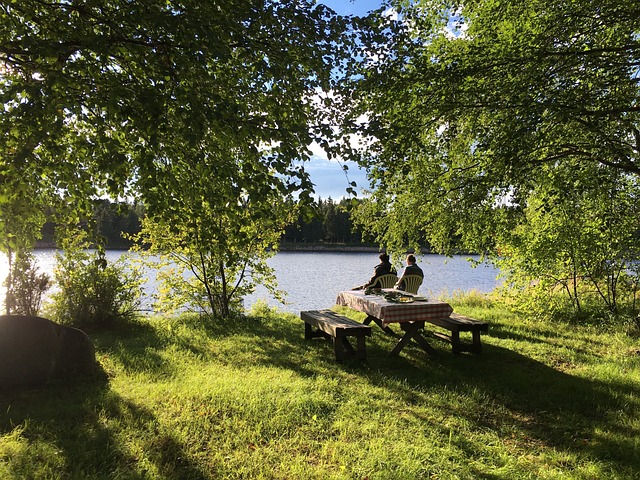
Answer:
(459, 323)
(310, 332)
(412, 332)
(471, 322)
(335, 325)
(377, 321)
(456, 323)
(336, 329)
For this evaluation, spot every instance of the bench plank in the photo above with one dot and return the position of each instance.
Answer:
(332, 326)
(457, 323)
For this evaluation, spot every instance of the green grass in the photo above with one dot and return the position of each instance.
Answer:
(180, 399)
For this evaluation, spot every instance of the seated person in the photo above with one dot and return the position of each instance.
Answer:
(410, 269)
(383, 268)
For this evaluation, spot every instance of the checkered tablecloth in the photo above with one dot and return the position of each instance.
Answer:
(388, 312)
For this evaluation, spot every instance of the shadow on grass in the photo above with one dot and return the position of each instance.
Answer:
(561, 334)
(79, 423)
(135, 346)
(545, 406)
(542, 405)
(548, 407)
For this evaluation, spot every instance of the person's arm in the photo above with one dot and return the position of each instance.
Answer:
(376, 274)
(372, 280)
(400, 283)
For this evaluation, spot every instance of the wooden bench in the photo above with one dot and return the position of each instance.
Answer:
(328, 324)
(459, 323)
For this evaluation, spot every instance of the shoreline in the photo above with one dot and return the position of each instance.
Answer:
(287, 247)
(328, 248)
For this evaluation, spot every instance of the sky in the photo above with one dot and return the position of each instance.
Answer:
(351, 7)
(327, 175)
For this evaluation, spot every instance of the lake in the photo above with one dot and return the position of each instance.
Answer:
(312, 280)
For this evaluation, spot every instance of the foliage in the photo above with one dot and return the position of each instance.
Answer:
(25, 285)
(191, 399)
(114, 221)
(472, 112)
(329, 222)
(22, 217)
(463, 111)
(581, 243)
(99, 98)
(93, 293)
(214, 245)
(153, 100)
(326, 221)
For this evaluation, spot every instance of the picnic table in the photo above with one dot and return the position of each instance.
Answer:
(411, 314)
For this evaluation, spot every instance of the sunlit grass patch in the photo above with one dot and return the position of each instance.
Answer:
(188, 398)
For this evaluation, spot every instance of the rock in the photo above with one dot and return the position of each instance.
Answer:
(34, 350)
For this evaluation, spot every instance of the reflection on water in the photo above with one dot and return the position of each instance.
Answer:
(312, 280)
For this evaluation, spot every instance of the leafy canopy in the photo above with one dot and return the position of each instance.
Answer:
(99, 96)
(469, 106)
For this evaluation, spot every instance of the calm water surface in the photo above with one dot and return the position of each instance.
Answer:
(312, 280)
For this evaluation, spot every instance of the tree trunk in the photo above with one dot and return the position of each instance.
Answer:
(224, 299)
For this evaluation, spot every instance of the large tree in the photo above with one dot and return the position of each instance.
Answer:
(98, 94)
(113, 97)
(462, 103)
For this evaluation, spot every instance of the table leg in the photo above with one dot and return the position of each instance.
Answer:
(412, 331)
(377, 321)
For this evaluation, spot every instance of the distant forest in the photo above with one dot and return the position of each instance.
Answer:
(329, 224)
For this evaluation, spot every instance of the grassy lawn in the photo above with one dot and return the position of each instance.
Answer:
(180, 399)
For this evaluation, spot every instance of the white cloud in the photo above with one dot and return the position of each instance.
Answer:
(330, 180)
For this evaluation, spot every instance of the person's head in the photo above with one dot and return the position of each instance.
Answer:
(383, 257)
(411, 260)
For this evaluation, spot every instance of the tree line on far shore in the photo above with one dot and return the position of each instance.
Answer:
(328, 222)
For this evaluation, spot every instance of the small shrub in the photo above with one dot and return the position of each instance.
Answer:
(93, 292)
(25, 286)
